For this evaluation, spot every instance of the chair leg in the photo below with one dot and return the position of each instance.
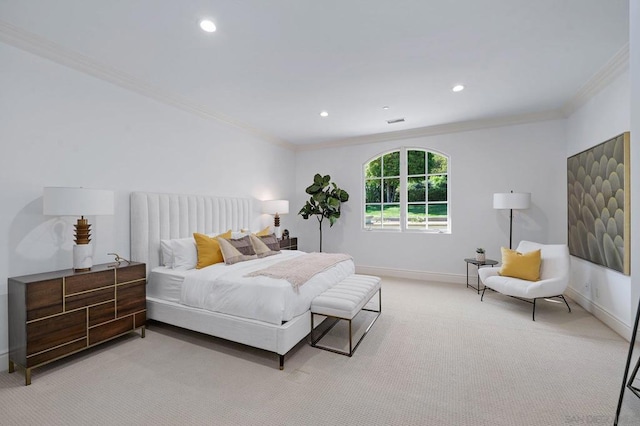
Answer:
(534, 309)
(483, 290)
(566, 303)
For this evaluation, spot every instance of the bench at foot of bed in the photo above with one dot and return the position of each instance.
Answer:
(343, 302)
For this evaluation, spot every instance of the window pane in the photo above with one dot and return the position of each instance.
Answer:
(416, 189)
(438, 216)
(437, 163)
(391, 164)
(415, 163)
(373, 191)
(391, 216)
(373, 209)
(438, 188)
(416, 216)
(391, 190)
(373, 216)
(373, 168)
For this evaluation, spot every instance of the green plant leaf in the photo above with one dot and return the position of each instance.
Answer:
(312, 189)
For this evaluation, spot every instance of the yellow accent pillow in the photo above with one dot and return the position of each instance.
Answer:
(209, 249)
(525, 266)
(264, 232)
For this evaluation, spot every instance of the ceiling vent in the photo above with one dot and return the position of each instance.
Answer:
(395, 120)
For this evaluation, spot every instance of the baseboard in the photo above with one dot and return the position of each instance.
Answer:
(414, 275)
(599, 312)
(4, 362)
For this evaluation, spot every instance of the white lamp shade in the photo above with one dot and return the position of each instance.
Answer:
(275, 206)
(61, 201)
(512, 200)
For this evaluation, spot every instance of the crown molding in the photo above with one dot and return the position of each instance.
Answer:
(609, 72)
(45, 48)
(440, 129)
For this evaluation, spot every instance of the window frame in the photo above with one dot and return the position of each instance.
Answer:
(403, 198)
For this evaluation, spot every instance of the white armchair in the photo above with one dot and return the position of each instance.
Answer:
(554, 276)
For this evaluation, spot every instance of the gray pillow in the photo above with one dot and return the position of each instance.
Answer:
(234, 251)
(271, 241)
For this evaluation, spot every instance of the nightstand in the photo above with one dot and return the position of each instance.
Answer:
(56, 314)
(289, 243)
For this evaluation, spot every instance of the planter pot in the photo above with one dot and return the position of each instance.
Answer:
(480, 257)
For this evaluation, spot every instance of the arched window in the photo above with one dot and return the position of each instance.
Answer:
(407, 190)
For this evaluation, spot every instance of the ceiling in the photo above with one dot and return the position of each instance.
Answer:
(272, 66)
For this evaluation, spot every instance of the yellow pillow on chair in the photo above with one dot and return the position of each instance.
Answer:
(525, 266)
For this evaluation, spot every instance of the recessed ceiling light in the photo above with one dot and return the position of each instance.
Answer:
(458, 88)
(385, 107)
(207, 25)
(324, 114)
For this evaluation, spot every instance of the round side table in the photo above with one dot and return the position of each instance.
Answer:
(479, 264)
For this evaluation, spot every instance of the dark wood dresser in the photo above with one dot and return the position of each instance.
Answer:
(55, 314)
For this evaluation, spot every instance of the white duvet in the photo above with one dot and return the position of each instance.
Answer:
(225, 289)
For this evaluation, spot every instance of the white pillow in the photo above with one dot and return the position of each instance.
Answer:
(167, 253)
(236, 235)
(185, 253)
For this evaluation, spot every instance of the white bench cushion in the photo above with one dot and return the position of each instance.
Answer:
(347, 298)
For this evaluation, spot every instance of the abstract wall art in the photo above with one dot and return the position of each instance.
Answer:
(599, 204)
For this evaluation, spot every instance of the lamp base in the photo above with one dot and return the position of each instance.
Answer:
(278, 231)
(82, 257)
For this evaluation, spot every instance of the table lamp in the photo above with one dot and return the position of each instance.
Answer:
(276, 208)
(61, 201)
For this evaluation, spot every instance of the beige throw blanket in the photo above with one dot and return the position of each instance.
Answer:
(302, 268)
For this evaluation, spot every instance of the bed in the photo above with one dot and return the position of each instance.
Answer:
(156, 218)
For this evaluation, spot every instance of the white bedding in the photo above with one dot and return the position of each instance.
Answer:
(224, 288)
(166, 283)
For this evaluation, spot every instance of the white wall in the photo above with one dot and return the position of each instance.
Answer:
(634, 66)
(528, 157)
(60, 127)
(602, 291)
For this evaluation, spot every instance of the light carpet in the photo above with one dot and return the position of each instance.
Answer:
(436, 356)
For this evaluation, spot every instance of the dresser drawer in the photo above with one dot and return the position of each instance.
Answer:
(110, 329)
(131, 298)
(86, 282)
(131, 273)
(89, 298)
(54, 331)
(102, 313)
(57, 352)
(44, 298)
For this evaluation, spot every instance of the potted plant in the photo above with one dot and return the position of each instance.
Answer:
(480, 255)
(324, 202)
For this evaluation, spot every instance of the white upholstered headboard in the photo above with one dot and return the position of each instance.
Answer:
(155, 217)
